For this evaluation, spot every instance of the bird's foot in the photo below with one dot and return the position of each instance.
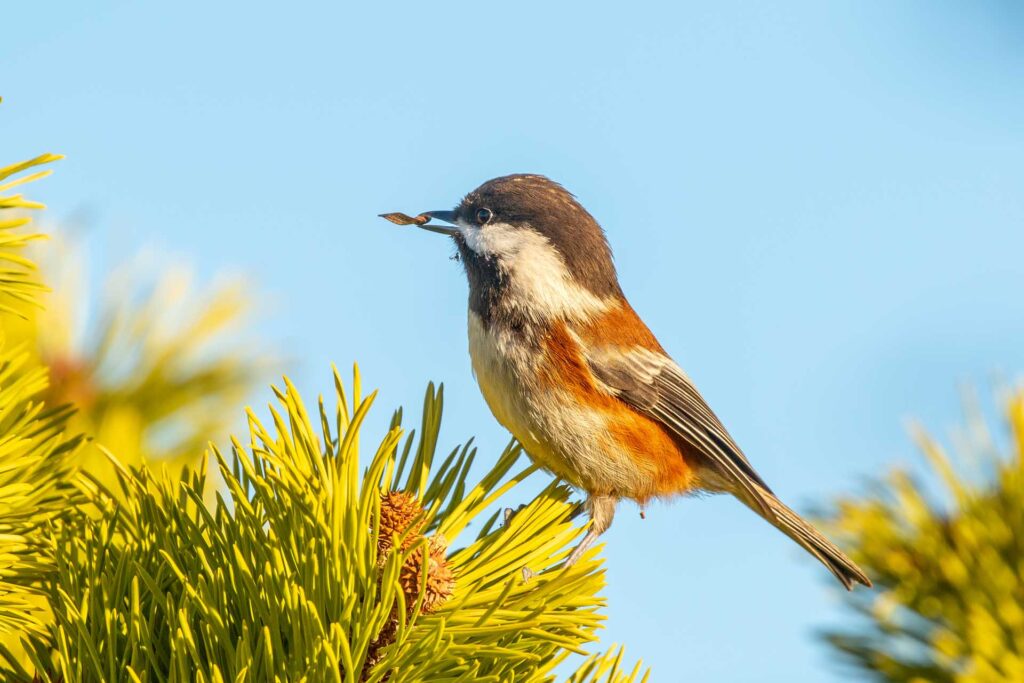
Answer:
(510, 513)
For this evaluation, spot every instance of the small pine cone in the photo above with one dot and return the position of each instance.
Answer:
(440, 579)
(398, 514)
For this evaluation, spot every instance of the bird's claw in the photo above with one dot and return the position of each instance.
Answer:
(510, 513)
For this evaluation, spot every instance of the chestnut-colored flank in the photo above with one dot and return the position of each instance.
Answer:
(665, 466)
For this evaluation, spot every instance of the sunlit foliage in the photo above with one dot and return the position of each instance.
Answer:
(309, 564)
(35, 455)
(310, 567)
(949, 573)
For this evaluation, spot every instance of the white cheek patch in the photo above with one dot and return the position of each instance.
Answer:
(539, 283)
(495, 239)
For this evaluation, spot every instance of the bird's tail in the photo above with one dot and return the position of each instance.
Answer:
(810, 539)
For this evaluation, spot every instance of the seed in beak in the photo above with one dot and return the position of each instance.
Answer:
(402, 219)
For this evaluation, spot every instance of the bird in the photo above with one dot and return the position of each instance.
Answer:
(568, 367)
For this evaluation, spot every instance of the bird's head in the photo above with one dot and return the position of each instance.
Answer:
(528, 237)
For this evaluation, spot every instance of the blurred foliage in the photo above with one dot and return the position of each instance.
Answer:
(311, 568)
(949, 575)
(158, 372)
(36, 458)
(18, 286)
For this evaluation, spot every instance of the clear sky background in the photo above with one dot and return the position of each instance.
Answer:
(818, 209)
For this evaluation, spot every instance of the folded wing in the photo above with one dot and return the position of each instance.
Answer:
(653, 384)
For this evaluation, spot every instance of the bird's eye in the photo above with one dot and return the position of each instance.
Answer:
(483, 216)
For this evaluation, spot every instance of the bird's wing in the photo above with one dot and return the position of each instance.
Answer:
(652, 383)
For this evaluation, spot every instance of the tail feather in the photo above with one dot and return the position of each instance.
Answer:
(811, 540)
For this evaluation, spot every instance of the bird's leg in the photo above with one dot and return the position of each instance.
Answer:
(577, 510)
(602, 510)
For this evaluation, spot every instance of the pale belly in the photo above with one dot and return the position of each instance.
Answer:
(559, 434)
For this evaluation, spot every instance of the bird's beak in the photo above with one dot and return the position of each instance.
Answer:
(446, 216)
(421, 221)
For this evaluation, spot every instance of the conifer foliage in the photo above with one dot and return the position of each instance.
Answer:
(314, 560)
(948, 567)
(35, 453)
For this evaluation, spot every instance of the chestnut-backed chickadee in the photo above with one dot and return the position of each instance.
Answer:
(569, 368)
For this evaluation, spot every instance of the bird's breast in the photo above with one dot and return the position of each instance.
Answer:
(537, 383)
(504, 362)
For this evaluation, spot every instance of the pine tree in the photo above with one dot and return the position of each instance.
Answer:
(36, 455)
(310, 562)
(948, 570)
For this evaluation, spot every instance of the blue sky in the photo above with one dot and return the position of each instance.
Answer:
(816, 207)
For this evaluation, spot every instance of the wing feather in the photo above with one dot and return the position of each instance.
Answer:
(653, 384)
